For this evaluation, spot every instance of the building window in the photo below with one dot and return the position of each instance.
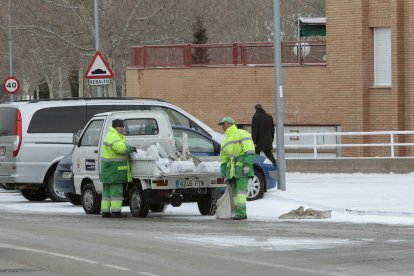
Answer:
(382, 57)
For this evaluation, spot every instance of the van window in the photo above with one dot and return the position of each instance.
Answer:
(199, 129)
(7, 121)
(95, 109)
(140, 127)
(178, 119)
(92, 133)
(62, 119)
(175, 117)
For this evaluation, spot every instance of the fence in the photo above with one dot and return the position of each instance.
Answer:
(259, 53)
(377, 144)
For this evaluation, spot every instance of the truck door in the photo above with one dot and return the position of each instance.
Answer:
(86, 156)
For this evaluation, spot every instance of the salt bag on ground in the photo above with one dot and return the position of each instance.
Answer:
(225, 208)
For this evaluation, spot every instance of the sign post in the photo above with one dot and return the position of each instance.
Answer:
(11, 85)
(97, 47)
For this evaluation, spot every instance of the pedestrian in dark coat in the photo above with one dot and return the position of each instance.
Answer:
(263, 132)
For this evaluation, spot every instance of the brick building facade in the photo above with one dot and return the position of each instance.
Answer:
(342, 93)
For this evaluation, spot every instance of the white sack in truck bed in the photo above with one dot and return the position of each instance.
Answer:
(166, 165)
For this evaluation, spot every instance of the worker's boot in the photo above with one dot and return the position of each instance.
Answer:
(106, 214)
(119, 215)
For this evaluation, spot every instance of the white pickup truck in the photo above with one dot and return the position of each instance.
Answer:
(153, 187)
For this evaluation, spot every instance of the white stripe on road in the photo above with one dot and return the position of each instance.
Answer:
(147, 274)
(28, 249)
(117, 267)
(9, 246)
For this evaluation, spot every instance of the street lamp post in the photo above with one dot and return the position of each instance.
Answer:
(281, 162)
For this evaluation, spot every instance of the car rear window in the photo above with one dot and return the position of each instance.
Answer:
(7, 121)
(63, 119)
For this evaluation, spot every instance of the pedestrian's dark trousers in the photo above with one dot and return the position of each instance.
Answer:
(268, 154)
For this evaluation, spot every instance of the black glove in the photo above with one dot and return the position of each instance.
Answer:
(134, 149)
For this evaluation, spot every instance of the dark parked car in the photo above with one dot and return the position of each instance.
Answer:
(64, 180)
(201, 146)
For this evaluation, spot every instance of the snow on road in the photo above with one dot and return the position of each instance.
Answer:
(356, 198)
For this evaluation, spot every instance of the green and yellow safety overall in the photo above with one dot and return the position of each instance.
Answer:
(115, 170)
(237, 152)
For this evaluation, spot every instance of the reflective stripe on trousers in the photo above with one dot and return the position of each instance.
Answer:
(112, 197)
(239, 189)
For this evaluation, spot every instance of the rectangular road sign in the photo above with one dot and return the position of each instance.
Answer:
(97, 82)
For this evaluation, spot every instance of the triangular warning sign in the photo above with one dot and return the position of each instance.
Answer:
(99, 68)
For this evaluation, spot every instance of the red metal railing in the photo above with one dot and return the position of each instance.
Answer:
(293, 52)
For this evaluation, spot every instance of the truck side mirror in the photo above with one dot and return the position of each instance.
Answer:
(76, 137)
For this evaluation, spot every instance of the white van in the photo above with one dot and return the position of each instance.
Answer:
(35, 135)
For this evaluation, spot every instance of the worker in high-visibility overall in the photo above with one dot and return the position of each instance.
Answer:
(237, 157)
(115, 169)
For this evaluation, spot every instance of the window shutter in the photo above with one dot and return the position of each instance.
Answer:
(382, 57)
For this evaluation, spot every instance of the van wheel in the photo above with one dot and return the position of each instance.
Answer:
(255, 186)
(91, 202)
(158, 208)
(207, 205)
(137, 203)
(52, 191)
(74, 199)
(34, 195)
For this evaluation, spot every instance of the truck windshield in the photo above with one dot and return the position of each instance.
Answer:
(7, 121)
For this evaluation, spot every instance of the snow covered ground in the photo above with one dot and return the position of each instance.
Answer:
(355, 198)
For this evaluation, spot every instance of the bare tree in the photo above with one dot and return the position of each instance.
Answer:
(63, 31)
(51, 37)
(231, 21)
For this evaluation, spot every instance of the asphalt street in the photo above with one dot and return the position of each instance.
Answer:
(80, 244)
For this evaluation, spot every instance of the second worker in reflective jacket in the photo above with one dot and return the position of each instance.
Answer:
(115, 169)
(237, 157)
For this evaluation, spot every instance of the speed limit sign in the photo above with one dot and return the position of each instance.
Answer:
(11, 85)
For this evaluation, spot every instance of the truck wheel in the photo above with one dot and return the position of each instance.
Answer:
(51, 190)
(158, 208)
(34, 195)
(91, 202)
(255, 187)
(74, 199)
(207, 205)
(137, 203)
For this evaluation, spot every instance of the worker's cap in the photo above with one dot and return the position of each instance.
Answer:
(117, 123)
(226, 120)
(258, 106)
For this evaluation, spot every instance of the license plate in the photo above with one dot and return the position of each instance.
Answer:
(190, 184)
(66, 174)
(2, 151)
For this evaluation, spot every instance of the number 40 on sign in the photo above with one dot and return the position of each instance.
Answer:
(11, 85)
